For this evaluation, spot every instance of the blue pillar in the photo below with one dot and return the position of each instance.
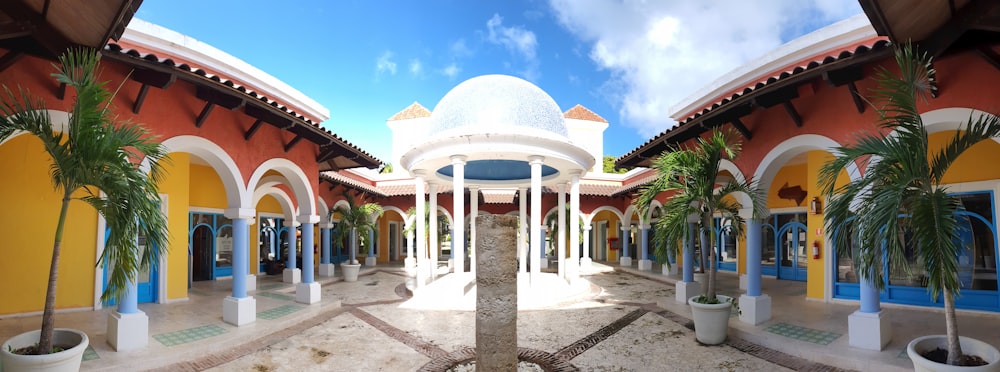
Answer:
(645, 243)
(371, 242)
(129, 302)
(307, 253)
(353, 238)
(626, 236)
(869, 297)
(241, 256)
(689, 253)
(753, 257)
(324, 236)
(292, 242)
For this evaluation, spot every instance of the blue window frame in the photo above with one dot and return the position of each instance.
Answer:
(784, 253)
(210, 244)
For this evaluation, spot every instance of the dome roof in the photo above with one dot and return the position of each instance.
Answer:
(496, 104)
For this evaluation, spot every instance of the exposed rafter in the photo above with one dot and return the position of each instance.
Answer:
(738, 124)
(214, 98)
(253, 129)
(293, 142)
(149, 78)
(976, 15)
(10, 58)
(859, 103)
(50, 39)
(793, 113)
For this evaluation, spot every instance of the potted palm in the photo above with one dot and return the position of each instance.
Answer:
(901, 193)
(94, 160)
(689, 175)
(354, 219)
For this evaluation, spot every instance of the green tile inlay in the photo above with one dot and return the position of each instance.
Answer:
(278, 312)
(90, 354)
(188, 335)
(267, 287)
(903, 354)
(804, 334)
(277, 296)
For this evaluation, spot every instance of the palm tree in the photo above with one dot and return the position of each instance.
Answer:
(901, 190)
(98, 154)
(357, 219)
(553, 222)
(689, 176)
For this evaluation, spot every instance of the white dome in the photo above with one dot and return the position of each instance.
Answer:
(496, 104)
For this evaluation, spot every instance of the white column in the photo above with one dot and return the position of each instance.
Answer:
(573, 265)
(435, 245)
(585, 261)
(561, 223)
(473, 213)
(421, 225)
(458, 208)
(536, 216)
(522, 251)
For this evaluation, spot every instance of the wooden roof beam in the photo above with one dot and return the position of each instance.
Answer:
(792, 113)
(738, 124)
(149, 78)
(253, 129)
(10, 58)
(50, 39)
(859, 103)
(974, 15)
(214, 98)
(293, 142)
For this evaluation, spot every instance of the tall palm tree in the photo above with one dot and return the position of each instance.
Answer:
(98, 153)
(901, 190)
(357, 219)
(689, 174)
(553, 222)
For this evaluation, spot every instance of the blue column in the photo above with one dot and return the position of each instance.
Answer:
(353, 237)
(371, 243)
(324, 245)
(292, 242)
(129, 303)
(307, 253)
(869, 297)
(689, 253)
(645, 243)
(626, 236)
(753, 257)
(241, 256)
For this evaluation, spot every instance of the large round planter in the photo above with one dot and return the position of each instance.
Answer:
(711, 322)
(970, 346)
(66, 360)
(350, 271)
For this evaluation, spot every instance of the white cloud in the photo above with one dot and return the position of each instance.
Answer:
(659, 52)
(451, 70)
(458, 49)
(385, 64)
(416, 67)
(517, 40)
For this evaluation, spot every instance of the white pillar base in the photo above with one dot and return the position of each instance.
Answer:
(686, 290)
(586, 263)
(307, 293)
(251, 282)
(370, 260)
(239, 311)
(543, 263)
(625, 261)
(293, 276)
(128, 331)
(744, 282)
(755, 309)
(645, 265)
(572, 270)
(409, 262)
(669, 271)
(871, 331)
(327, 270)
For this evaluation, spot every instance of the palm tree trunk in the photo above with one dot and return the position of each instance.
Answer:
(48, 315)
(710, 261)
(951, 324)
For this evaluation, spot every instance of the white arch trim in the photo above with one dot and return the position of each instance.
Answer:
(59, 119)
(951, 118)
(401, 213)
(324, 211)
(590, 216)
(297, 181)
(218, 159)
(287, 207)
(789, 148)
(338, 204)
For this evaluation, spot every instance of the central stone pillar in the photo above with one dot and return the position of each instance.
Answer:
(496, 293)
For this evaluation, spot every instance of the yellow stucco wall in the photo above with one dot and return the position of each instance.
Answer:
(969, 166)
(613, 231)
(207, 191)
(175, 186)
(30, 213)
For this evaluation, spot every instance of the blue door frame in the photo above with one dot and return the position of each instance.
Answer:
(214, 231)
(789, 245)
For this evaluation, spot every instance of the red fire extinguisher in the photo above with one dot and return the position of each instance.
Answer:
(815, 251)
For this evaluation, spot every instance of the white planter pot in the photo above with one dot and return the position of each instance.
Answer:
(711, 322)
(970, 346)
(350, 272)
(66, 360)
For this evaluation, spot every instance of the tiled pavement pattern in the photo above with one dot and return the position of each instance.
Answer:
(188, 335)
(268, 287)
(278, 312)
(276, 296)
(803, 334)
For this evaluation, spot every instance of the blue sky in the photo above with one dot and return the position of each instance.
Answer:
(629, 61)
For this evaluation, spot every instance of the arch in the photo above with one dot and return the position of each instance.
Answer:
(297, 181)
(647, 219)
(402, 215)
(219, 160)
(785, 151)
(59, 120)
(447, 215)
(950, 118)
(338, 204)
(590, 216)
(324, 211)
(278, 194)
(630, 211)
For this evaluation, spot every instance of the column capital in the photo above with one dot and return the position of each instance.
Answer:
(307, 218)
(588, 227)
(326, 226)
(561, 187)
(644, 226)
(432, 187)
(458, 159)
(290, 223)
(473, 187)
(536, 159)
(419, 173)
(241, 213)
(575, 172)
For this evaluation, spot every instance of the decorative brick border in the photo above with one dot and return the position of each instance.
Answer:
(548, 362)
(575, 349)
(426, 348)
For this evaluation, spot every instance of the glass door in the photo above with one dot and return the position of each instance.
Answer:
(791, 247)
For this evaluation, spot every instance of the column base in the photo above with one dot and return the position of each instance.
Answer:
(327, 270)
(871, 331)
(543, 263)
(370, 261)
(293, 276)
(744, 282)
(586, 263)
(686, 290)
(625, 261)
(128, 331)
(239, 311)
(251, 282)
(572, 270)
(409, 262)
(669, 271)
(307, 293)
(755, 309)
(645, 265)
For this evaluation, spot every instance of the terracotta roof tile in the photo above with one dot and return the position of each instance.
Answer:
(413, 111)
(583, 113)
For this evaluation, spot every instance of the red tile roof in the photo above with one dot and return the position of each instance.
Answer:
(413, 111)
(583, 113)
